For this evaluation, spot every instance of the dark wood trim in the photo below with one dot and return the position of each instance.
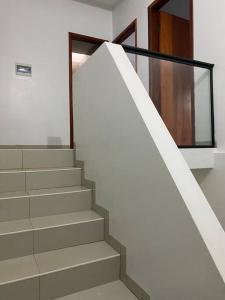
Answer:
(71, 92)
(191, 8)
(83, 38)
(132, 28)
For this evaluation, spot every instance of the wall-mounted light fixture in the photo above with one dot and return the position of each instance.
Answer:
(24, 70)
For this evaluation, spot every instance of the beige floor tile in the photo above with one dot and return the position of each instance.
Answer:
(67, 231)
(10, 159)
(18, 269)
(65, 258)
(112, 291)
(20, 290)
(48, 158)
(60, 203)
(65, 219)
(14, 208)
(12, 181)
(65, 282)
(41, 179)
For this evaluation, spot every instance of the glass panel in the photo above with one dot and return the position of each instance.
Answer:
(181, 94)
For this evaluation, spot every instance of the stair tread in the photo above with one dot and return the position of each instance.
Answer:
(18, 194)
(38, 170)
(65, 219)
(60, 190)
(112, 291)
(42, 192)
(17, 269)
(74, 256)
(16, 226)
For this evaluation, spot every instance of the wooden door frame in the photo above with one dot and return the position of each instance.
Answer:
(153, 40)
(131, 28)
(128, 31)
(84, 38)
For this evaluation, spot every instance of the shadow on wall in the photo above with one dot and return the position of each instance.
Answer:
(54, 140)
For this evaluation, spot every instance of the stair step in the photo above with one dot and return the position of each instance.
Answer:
(48, 202)
(111, 291)
(70, 270)
(36, 158)
(22, 180)
(35, 235)
(40, 179)
(48, 158)
(19, 279)
(59, 272)
(16, 239)
(15, 269)
(44, 202)
(56, 232)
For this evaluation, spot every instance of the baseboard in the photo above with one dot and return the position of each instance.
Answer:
(116, 245)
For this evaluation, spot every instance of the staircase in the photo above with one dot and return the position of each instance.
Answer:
(51, 241)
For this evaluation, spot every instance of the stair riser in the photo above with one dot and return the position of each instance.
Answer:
(52, 179)
(32, 180)
(44, 205)
(16, 245)
(10, 159)
(14, 209)
(12, 182)
(68, 236)
(21, 290)
(60, 204)
(62, 283)
(27, 243)
(36, 159)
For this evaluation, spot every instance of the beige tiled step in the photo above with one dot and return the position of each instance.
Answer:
(11, 159)
(25, 237)
(58, 273)
(19, 279)
(70, 270)
(41, 179)
(12, 181)
(22, 180)
(16, 239)
(14, 206)
(44, 202)
(67, 230)
(48, 202)
(112, 291)
(48, 158)
(17, 269)
(36, 158)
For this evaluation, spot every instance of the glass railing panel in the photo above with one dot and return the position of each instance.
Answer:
(182, 94)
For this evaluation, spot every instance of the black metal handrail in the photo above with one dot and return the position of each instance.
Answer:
(184, 61)
(175, 59)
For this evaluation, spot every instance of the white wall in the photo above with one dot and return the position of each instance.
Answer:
(209, 32)
(212, 183)
(156, 207)
(36, 110)
(125, 13)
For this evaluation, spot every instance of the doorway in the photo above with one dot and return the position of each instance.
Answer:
(172, 84)
(81, 47)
